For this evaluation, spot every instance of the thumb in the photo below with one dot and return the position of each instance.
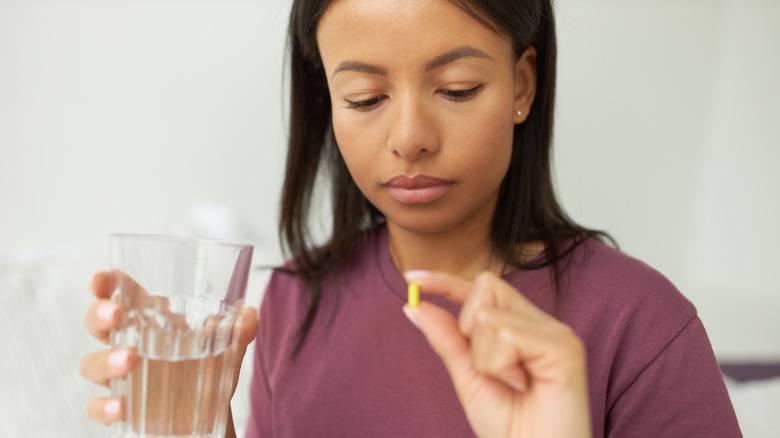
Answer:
(247, 330)
(441, 330)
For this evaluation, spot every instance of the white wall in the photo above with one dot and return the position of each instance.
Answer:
(737, 237)
(122, 115)
(125, 115)
(666, 138)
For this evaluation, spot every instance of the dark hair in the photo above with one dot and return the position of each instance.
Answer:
(527, 209)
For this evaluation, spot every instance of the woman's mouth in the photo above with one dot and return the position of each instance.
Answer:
(417, 190)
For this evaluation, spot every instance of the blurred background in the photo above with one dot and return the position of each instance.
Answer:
(168, 117)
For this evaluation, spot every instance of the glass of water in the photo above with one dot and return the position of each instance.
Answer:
(179, 299)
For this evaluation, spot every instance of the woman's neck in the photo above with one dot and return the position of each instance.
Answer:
(464, 252)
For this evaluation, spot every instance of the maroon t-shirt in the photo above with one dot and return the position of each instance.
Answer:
(365, 371)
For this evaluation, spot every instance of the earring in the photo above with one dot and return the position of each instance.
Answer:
(519, 113)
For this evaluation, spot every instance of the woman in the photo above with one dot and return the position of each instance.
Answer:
(433, 120)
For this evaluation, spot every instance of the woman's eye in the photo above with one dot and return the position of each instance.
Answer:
(461, 95)
(365, 105)
(454, 95)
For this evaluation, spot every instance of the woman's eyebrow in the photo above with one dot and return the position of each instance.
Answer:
(439, 61)
(360, 67)
(454, 55)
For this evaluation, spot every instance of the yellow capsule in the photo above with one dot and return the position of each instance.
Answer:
(414, 295)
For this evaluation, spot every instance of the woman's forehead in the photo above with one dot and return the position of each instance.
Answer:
(402, 29)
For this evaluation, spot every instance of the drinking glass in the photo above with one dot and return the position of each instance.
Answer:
(179, 299)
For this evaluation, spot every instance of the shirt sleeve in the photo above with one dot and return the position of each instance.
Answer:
(680, 393)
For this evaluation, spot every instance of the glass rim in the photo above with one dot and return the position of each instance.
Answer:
(176, 239)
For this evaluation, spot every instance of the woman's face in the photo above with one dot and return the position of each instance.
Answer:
(424, 101)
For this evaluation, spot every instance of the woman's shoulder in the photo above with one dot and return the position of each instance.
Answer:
(608, 289)
(645, 343)
(286, 294)
(362, 257)
(603, 270)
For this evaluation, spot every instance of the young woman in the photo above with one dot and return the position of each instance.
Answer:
(433, 120)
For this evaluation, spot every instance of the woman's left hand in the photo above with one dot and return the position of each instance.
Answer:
(518, 371)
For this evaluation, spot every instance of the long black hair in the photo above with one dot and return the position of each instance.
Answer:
(527, 208)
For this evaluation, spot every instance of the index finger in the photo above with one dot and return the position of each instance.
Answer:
(490, 291)
(449, 286)
(104, 283)
(487, 289)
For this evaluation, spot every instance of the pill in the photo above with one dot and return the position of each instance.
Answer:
(414, 295)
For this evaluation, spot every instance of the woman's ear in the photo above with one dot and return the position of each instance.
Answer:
(525, 84)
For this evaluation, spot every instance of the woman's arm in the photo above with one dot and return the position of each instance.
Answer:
(680, 392)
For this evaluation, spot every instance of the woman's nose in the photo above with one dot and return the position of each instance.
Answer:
(414, 132)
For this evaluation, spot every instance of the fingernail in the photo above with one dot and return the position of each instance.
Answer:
(118, 358)
(111, 407)
(410, 314)
(419, 273)
(517, 386)
(515, 379)
(106, 311)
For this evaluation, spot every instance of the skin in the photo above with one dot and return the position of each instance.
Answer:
(418, 127)
(407, 110)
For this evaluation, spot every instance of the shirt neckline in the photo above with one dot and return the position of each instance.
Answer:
(395, 281)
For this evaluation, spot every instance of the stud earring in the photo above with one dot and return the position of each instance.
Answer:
(519, 113)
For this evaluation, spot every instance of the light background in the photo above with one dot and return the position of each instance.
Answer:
(168, 117)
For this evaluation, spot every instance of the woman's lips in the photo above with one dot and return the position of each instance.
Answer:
(417, 190)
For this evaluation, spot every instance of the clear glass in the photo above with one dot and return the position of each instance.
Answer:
(180, 299)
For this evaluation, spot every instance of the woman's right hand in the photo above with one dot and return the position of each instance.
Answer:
(101, 366)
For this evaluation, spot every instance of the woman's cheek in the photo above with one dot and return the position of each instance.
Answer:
(490, 139)
(355, 155)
